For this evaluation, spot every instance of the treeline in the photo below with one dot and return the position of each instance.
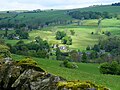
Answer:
(89, 15)
(21, 33)
(111, 45)
(116, 4)
(34, 23)
(107, 50)
(37, 48)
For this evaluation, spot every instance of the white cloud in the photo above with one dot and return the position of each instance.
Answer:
(49, 4)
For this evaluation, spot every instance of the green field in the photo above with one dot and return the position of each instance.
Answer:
(83, 72)
(82, 37)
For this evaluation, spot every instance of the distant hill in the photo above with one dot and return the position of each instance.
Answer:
(33, 18)
(48, 17)
(102, 8)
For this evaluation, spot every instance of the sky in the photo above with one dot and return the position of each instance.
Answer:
(49, 4)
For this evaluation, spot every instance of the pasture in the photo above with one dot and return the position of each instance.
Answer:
(82, 37)
(83, 72)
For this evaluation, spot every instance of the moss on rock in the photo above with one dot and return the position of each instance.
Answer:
(79, 85)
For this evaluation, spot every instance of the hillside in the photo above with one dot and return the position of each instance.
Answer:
(49, 17)
(35, 18)
(102, 8)
(83, 72)
(82, 37)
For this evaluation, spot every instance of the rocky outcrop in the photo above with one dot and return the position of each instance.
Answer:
(26, 75)
(15, 77)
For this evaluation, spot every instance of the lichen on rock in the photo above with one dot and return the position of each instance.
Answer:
(27, 75)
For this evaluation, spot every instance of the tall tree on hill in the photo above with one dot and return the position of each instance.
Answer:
(58, 53)
(74, 56)
(6, 32)
(84, 58)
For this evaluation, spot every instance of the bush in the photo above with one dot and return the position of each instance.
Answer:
(60, 35)
(92, 33)
(88, 48)
(107, 33)
(72, 32)
(110, 68)
(84, 58)
(67, 40)
(78, 85)
(68, 64)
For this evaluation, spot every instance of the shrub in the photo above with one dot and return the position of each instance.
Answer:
(67, 40)
(72, 32)
(84, 58)
(110, 68)
(78, 85)
(67, 64)
(107, 33)
(92, 33)
(60, 35)
(88, 48)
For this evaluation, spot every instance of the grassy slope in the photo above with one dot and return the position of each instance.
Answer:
(83, 72)
(103, 8)
(41, 17)
(54, 15)
(7, 15)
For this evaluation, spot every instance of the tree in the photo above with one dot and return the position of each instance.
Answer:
(92, 33)
(38, 39)
(60, 35)
(58, 53)
(111, 44)
(74, 56)
(72, 32)
(22, 33)
(11, 36)
(37, 48)
(116, 4)
(84, 57)
(93, 55)
(42, 54)
(107, 33)
(2, 41)
(88, 48)
(96, 48)
(8, 12)
(67, 40)
(6, 32)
